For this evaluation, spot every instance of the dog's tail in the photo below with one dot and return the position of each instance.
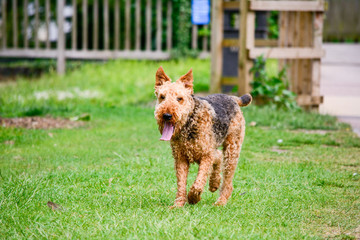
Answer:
(244, 100)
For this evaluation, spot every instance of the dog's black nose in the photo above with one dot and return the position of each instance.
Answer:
(167, 116)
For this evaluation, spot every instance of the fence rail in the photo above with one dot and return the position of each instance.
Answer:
(129, 29)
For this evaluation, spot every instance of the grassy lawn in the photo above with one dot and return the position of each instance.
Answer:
(298, 175)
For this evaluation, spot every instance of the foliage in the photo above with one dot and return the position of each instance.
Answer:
(273, 26)
(271, 89)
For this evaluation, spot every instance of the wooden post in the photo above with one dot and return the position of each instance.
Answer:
(127, 25)
(96, 24)
(217, 25)
(26, 21)
(158, 24)
(137, 25)
(47, 22)
(117, 24)
(85, 26)
(148, 25)
(106, 24)
(15, 25)
(36, 27)
(74, 26)
(247, 41)
(3, 18)
(169, 26)
(61, 37)
(317, 42)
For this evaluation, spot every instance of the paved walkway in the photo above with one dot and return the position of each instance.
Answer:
(340, 83)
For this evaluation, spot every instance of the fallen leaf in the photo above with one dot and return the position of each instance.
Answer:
(54, 206)
(252, 124)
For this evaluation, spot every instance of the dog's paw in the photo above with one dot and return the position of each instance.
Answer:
(213, 188)
(194, 195)
(179, 202)
(220, 202)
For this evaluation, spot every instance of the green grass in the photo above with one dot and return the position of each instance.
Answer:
(115, 179)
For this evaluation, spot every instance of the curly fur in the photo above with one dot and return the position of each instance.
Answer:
(201, 126)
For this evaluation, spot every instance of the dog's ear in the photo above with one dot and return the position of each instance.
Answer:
(161, 77)
(187, 80)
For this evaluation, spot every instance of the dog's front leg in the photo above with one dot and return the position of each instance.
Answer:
(182, 170)
(199, 184)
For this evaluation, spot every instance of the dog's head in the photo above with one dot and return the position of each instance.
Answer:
(174, 102)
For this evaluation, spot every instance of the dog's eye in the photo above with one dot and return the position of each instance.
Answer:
(162, 97)
(179, 99)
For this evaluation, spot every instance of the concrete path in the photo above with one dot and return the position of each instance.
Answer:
(340, 83)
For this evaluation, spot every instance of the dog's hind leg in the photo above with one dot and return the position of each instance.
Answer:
(232, 148)
(215, 177)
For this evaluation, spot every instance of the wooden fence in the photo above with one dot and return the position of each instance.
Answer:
(342, 21)
(299, 45)
(141, 39)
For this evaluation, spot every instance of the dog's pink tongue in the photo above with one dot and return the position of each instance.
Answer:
(167, 132)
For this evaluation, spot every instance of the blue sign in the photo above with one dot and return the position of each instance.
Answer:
(200, 12)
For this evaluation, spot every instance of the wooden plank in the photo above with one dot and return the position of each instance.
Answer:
(247, 26)
(295, 62)
(47, 23)
(194, 37)
(85, 54)
(299, 6)
(127, 24)
(104, 55)
(117, 25)
(307, 66)
(15, 24)
(85, 25)
(287, 53)
(138, 25)
(317, 43)
(217, 25)
(250, 30)
(283, 21)
(96, 24)
(290, 43)
(234, 42)
(205, 40)
(4, 18)
(301, 43)
(26, 24)
(106, 24)
(158, 24)
(61, 37)
(306, 100)
(169, 26)
(74, 26)
(37, 24)
(148, 25)
(233, 5)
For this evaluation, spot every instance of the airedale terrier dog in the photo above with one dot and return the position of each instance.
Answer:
(196, 127)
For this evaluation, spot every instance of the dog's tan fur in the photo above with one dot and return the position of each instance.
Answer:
(196, 137)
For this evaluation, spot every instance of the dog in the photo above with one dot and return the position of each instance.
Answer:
(196, 127)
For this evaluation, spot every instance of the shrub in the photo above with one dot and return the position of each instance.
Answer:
(271, 90)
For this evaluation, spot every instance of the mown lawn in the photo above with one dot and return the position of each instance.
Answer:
(298, 175)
